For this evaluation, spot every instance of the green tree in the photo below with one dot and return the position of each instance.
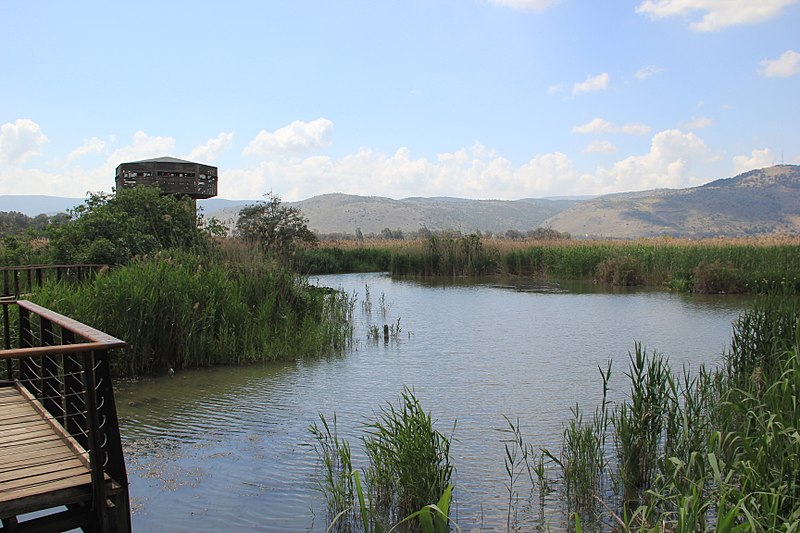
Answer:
(273, 226)
(112, 229)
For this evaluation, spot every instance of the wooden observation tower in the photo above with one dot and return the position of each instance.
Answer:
(174, 176)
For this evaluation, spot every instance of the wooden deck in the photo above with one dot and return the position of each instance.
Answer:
(39, 463)
(61, 460)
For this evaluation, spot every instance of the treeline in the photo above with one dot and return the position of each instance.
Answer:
(16, 223)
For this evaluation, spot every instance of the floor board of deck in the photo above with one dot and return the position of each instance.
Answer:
(36, 463)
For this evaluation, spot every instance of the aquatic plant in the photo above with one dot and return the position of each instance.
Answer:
(717, 450)
(178, 310)
(408, 469)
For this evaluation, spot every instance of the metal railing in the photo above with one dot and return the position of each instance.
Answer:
(24, 279)
(64, 365)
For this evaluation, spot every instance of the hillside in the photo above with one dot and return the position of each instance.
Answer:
(343, 213)
(32, 205)
(759, 202)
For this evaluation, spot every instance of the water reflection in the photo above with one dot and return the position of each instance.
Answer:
(223, 448)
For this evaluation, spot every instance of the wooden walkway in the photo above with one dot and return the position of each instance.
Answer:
(39, 463)
(60, 449)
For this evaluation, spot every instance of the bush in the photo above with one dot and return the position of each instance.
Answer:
(717, 278)
(620, 271)
(134, 222)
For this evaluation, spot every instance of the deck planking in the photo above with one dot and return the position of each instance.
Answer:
(38, 460)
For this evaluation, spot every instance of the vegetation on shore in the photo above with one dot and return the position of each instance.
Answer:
(181, 296)
(177, 310)
(704, 266)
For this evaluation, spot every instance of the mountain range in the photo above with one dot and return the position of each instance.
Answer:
(760, 202)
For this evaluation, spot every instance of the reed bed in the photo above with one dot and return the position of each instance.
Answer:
(714, 451)
(703, 266)
(178, 310)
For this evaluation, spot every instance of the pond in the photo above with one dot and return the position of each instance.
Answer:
(227, 448)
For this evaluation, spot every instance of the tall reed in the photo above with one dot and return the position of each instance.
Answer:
(178, 310)
(716, 450)
(407, 477)
(707, 265)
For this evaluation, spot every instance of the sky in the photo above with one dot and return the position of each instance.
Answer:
(482, 99)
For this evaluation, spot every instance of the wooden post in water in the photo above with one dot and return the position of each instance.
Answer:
(386, 333)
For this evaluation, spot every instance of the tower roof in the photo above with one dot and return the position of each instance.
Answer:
(164, 159)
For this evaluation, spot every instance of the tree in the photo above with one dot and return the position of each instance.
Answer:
(274, 226)
(112, 229)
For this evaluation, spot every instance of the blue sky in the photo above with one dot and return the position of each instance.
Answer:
(498, 99)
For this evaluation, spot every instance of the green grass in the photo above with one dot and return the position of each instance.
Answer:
(177, 310)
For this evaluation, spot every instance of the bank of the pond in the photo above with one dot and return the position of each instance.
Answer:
(704, 266)
(179, 310)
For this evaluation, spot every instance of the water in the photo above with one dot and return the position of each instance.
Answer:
(226, 448)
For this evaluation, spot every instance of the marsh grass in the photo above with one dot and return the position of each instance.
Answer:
(407, 482)
(178, 310)
(336, 484)
(705, 265)
(715, 450)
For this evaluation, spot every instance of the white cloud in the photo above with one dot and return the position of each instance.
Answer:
(758, 159)
(209, 151)
(525, 5)
(592, 83)
(646, 72)
(717, 14)
(144, 147)
(297, 137)
(788, 64)
(667, 164)
(557, 89)
(474, 172)
(90, 146)
(20, 140)
(698, 123)
(601, 126)
(600, 147)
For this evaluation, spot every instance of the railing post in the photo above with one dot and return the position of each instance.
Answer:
(39, 276)
(96, 455)
(6, 287)
(30, 279)
(16, 283)
(109, 424)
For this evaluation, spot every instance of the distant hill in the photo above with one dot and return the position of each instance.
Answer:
(33, 205)
(343, 213)
(759, 202)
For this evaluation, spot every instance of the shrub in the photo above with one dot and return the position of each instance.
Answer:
(620, 271)
(717, 277)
